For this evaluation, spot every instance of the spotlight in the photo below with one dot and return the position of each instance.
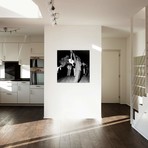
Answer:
(52, 13)
(52, 8)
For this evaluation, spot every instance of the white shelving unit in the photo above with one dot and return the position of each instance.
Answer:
(140, 75)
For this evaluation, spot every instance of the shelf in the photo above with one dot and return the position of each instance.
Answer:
(140, 75)
(140, 66)
(36, 69)
(140, 86)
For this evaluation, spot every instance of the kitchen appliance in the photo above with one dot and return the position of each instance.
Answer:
(37, 62)
(37, 71)
(12, 70)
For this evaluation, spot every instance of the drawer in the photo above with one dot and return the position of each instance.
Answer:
(37, 86)
(8, 86)
(23, 83)
(8, 97)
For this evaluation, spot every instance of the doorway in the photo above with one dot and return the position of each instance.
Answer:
(111, 76)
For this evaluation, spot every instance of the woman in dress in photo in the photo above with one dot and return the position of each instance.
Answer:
(78, 65)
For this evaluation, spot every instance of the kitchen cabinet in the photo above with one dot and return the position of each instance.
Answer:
(8, 97)
(24, 53)
(8, 92)
(23, 92)
(37, 49)
(37, 94)
(10, 51)
(8, 86)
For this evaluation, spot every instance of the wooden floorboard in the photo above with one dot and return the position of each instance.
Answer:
(24, 127)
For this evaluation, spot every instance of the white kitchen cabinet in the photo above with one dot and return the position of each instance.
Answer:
(24, 53)
(37, 94)
(10, 51)
(8, 86)
(8, 97)
(8, 91)
(23, 92)
(37, 49)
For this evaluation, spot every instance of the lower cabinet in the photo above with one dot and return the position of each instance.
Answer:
(8, 92)
(8, 97)
(37, 94)
(23, 92)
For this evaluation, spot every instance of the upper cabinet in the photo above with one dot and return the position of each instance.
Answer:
(20, 51)
(24, 53)
(10, 51)
(37, 49)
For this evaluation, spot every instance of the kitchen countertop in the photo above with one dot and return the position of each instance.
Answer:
(21, 79)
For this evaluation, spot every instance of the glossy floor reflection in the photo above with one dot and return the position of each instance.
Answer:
(25, 127)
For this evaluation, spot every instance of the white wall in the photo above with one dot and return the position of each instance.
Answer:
(128, 71)
(72, 100)
(139, 43)
(118, 44)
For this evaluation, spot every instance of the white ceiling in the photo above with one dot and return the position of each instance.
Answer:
(114, 15)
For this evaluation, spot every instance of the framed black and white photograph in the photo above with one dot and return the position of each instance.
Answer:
(73, 66)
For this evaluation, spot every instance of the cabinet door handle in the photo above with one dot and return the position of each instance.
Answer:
(38, 86)
(23, 82)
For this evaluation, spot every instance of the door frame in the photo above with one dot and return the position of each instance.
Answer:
(112, 50)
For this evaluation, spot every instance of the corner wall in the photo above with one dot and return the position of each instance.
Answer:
(72, 100)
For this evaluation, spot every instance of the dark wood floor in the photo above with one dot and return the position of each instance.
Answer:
(25, 127)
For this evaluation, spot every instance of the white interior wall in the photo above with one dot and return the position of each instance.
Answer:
(128, 71)
(118, 44)
(72, 100)
(139, 43)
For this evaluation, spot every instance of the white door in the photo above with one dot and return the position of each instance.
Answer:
(110, 76)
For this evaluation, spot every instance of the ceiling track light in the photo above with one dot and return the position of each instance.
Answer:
(54, 16)
(8, 29)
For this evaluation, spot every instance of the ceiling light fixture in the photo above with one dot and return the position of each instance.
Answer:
(8, 29)
(54, 16)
